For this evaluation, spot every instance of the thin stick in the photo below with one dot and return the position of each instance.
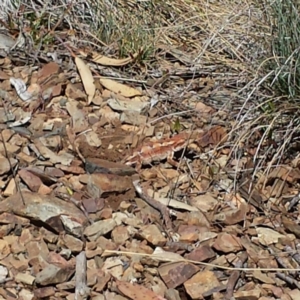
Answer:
(155, 204)
(166, 259)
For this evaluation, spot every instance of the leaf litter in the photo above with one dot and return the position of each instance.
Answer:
(109, 192)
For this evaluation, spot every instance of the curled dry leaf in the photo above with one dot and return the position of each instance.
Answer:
(22, 91)
(120, 88)
(107, 61)
(87, 78)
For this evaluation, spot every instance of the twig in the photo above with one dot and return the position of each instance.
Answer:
(235, 275)
(210, 265)
(155, 204)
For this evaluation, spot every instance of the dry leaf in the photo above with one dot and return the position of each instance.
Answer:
(22, 91)
(107, 61)
(87, 78)
(120, 88)
(47, 71)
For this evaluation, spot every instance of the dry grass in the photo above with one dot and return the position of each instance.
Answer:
(229, 42)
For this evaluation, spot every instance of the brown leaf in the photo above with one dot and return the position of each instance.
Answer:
(120, 88)
(107, 61)
(203, 108)
(47, 71)
(87, 78)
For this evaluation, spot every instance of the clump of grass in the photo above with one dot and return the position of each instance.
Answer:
(124, 28)
(131, 34)
(286, 48)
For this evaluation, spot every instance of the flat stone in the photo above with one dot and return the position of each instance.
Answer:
(24, 278)
(176, 274)
(37, 249)
(133, 118)
(45, 208)
(19, 264)
(227, 243)
(44, 292)
(201, 283)
(153, 235)
(70, 242)
(53, 274)
(248, 295)
(99, 228)
(201, 253)
(120, 234)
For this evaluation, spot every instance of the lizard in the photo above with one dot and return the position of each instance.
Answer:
(159, 150)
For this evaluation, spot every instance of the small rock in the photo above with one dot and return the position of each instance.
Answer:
(53, 274)
(202, 253)
(132, 105)
(153, 235)
(176, 274)
(133, 118)
(24, 278)
(71, 243)
(3, 273)
(25, 294)
(201, 283)
(99, 228)
(120, 235)
(294, 294)
(44, 292)
(48, 236)
(227, 243)
(248, 295)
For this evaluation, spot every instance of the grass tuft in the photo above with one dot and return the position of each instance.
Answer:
(286, 48)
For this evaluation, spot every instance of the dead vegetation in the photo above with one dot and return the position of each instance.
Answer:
(149, 150)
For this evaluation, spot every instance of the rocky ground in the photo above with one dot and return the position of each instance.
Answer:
(124, 178)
